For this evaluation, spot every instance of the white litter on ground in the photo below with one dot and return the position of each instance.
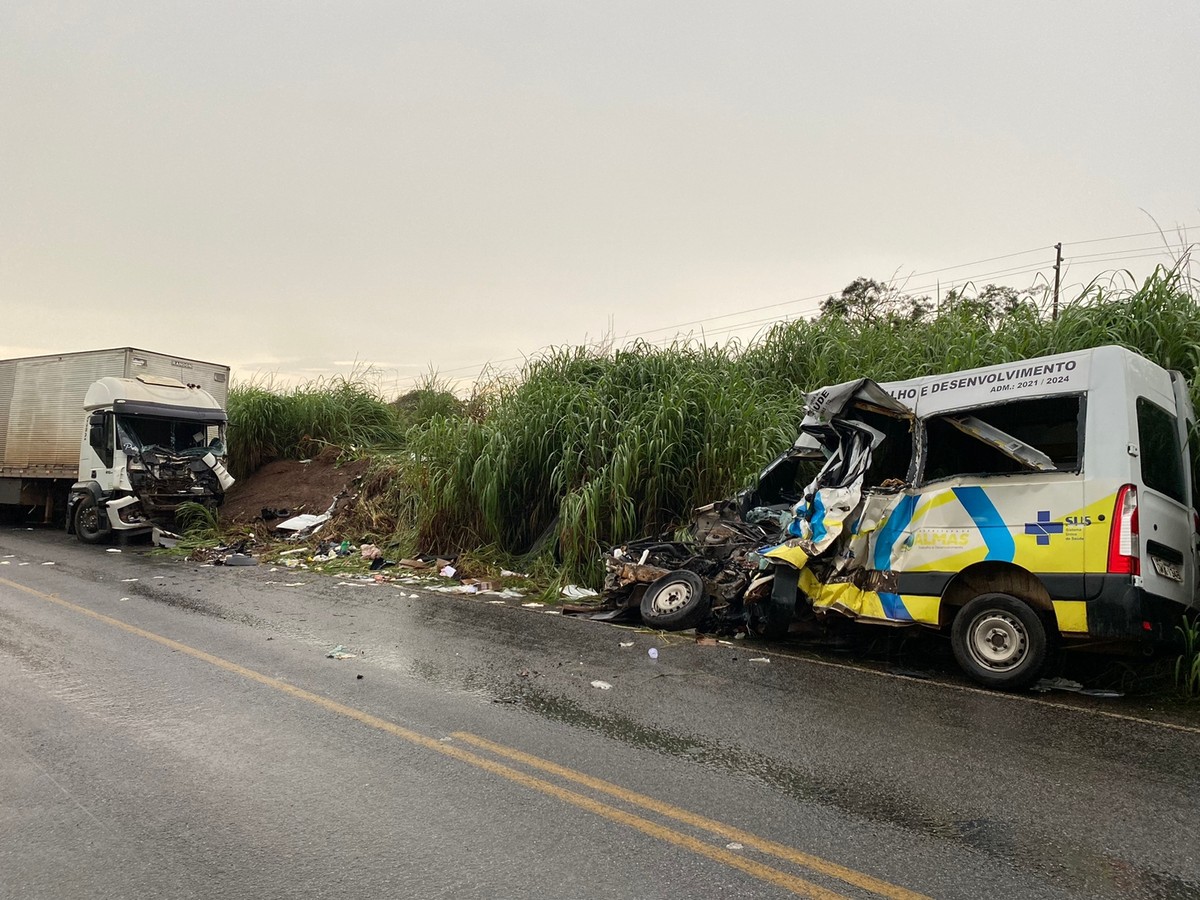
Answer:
(603, 685)
(760, 659)
(575, 592)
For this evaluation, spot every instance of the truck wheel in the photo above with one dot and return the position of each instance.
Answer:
(675, 601)
(91, 524)
(999, 641)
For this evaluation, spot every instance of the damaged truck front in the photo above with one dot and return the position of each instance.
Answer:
(1013, 507)
(150, 441)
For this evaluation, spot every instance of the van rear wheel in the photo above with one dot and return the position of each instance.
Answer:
(1000, 641)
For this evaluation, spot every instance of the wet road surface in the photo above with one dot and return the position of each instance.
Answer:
(185, 735)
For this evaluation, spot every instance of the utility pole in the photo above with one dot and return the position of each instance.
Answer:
(1057, 278)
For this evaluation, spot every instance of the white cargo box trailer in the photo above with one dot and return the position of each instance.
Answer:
(42, 416)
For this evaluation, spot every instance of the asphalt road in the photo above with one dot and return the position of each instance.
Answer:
(184, 734)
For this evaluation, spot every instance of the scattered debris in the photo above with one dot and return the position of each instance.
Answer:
(112, 550)
(447, 571)
(339, 652)
(759, 659)
(626, 644)
(160, 537)
(47, 564)
(532, 605)
(575, 592)
(734, 845)
(652, 653)
(238, 559)
(602, 685)
(303, 524)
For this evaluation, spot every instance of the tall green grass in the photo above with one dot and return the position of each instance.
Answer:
(589, 447)
(267, 424)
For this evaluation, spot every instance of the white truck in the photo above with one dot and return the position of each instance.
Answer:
(110, 441)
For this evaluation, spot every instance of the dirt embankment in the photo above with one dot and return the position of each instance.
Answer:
(309, 486)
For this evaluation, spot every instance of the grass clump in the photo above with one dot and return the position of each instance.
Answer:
(1187, 666)
(265, 424)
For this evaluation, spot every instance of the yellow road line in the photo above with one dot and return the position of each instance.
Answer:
(781, 879)
(729, 832)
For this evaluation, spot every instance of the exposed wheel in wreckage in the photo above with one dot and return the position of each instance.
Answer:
(91, 522)
(675, 601)
(1000, 641)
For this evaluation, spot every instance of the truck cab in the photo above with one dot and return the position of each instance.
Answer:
(149, 444)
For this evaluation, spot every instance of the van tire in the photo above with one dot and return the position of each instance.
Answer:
(675, 601)
(1000, 641)
(91, 522)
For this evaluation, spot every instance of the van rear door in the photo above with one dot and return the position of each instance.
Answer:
(1165, 520)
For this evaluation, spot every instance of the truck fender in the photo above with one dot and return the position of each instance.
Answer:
(78, 489)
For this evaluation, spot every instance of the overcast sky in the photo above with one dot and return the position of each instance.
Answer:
(291, 187)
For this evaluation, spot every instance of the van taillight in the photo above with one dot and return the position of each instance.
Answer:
(1123, 542)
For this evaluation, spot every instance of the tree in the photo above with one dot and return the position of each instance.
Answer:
(867, 301)
(989, 306)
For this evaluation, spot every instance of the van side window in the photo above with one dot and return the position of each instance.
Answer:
(1161, 453)
(1021, 436)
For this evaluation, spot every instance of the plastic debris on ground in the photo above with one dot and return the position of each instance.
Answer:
(532, 605)
(652, 653)
(160, 537)
(447, 571)
(238, 559)
(303, 524)
(575, 592)
(602, 685)
(626, 644)
(47, 564)
(112, 550)
(339, 652)
(760, 659)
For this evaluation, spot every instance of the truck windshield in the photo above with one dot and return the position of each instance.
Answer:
(178, 437)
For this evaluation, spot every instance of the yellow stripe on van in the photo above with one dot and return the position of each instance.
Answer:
(955, 563)
(1071, 616)
(922, 608)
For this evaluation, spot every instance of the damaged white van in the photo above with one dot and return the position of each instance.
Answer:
(1007, 505)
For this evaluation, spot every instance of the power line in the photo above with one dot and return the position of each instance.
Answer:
(1008, 272)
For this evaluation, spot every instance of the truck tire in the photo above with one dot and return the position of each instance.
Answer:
(91, 523)
(1000, 641)
(675, 601)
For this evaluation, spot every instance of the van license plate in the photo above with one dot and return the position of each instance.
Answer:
(1167, 569)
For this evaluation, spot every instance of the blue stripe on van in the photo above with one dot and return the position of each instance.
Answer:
(992, 528)
(893, 607)
(900, 518)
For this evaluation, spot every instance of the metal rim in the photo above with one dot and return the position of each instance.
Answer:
(672, 597)
(997, 640)
(88, 520)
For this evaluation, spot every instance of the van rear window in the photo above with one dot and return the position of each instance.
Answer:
(1161, 452)
(1022, 436)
